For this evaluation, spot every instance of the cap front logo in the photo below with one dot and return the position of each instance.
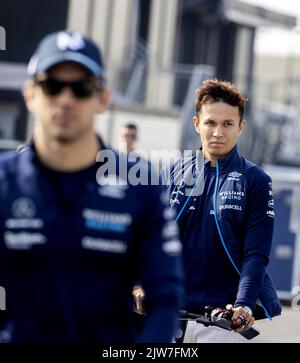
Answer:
(70, 41)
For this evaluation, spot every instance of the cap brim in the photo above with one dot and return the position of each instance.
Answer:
(79, 58)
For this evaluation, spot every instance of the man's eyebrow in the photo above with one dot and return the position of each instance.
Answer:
(226, 120)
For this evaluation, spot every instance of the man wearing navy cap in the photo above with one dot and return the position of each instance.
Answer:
(74, 238)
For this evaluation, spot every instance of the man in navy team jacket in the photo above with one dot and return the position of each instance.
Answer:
(225, 212)
(74, 235)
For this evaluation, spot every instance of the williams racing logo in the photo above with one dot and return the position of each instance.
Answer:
(106, 221)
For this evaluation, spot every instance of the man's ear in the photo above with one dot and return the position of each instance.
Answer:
(196, 122)
(104, 98)
(28, 94)
(242, 126)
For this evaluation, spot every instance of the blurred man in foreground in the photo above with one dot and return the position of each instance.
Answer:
(75, 234)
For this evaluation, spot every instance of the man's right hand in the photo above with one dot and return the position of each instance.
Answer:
(138, 296)
(240, 315)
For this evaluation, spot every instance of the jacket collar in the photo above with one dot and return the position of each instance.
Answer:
(29, 158)
(224, 164)
(30, 147)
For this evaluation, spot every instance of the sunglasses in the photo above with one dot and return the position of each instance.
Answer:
(82, 88)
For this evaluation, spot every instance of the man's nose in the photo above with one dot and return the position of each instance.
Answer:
(218, 131)
(66, 95)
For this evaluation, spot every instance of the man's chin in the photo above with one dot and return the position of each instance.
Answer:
(66, 138)
(218, 154)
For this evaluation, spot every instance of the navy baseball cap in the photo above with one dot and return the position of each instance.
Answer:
(66, 46)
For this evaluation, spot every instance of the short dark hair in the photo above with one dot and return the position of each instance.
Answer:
(213, 90)
(130, 126)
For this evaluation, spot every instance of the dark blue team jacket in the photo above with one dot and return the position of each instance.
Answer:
(71, 249)
(245, 215)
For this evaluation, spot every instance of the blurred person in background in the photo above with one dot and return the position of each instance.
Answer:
(128, 136)
(72, 247)
(225, 212)
(127, 139)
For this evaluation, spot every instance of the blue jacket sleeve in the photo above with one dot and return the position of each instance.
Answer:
(160, 267)
(257, 241)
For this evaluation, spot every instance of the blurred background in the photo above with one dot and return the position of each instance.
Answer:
(156, 53)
